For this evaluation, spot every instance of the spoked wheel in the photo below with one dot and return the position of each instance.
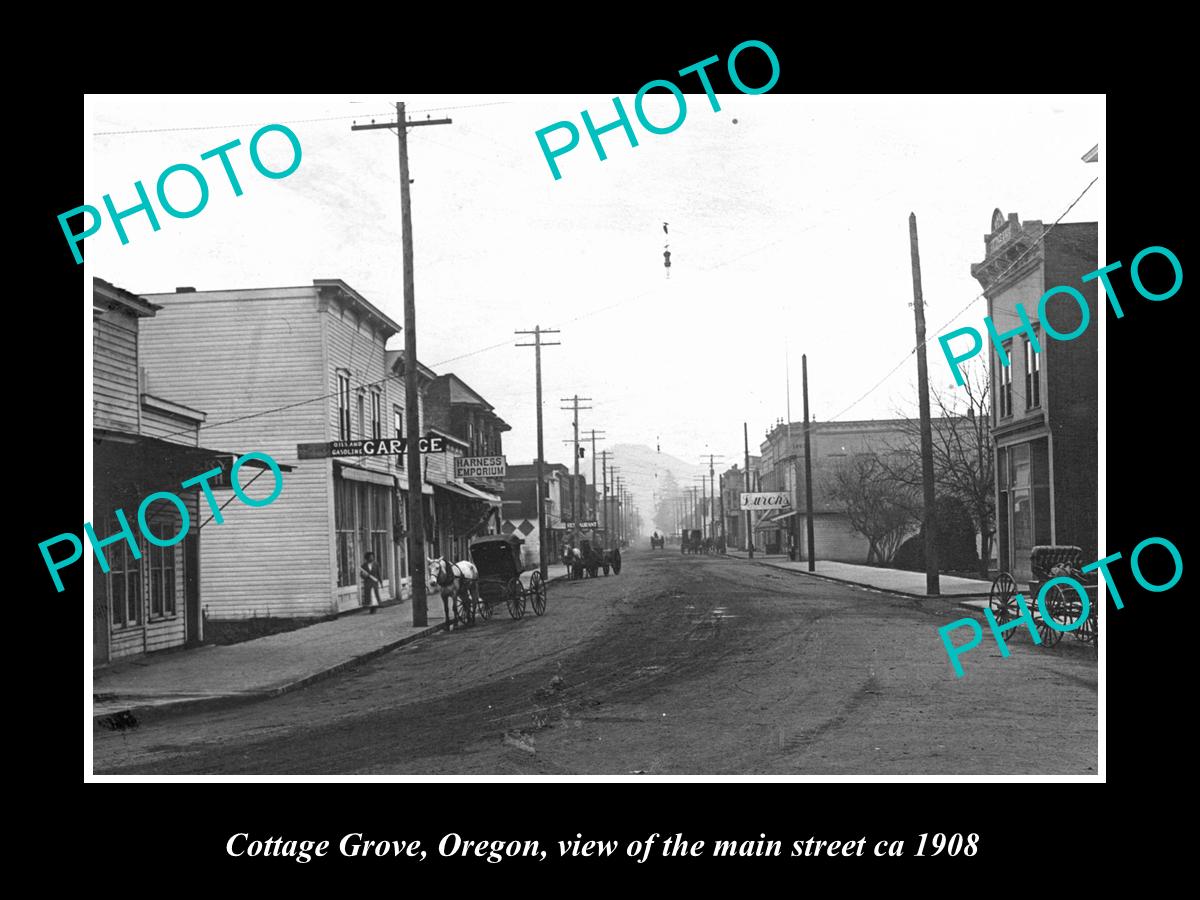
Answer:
(1056, 606)
(1065, 608)
(516, 599)
(616, 562)
(537, 593)
(1002, 598)
(483, 605)
(464, 609)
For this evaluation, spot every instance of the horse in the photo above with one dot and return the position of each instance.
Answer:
(460, 579)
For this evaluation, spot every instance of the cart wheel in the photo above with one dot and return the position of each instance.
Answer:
(1055, 604)
(483, 605)
(1002, 600)
(537, 593)
(462, 608)
(616, 562)
(516, 599)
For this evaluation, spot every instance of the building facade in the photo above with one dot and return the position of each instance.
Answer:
(832, 443)
(255, 360)
(1045, 401)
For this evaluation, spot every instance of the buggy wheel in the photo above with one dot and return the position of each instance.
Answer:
(1087, 631)
(484, 606)
(1054, 608)
(537, 593)
(462, 608)
(515, 595)
(616, 562)
(1001, 598)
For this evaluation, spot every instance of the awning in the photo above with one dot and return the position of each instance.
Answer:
(785, 515)
(491, 499)
(354, 473)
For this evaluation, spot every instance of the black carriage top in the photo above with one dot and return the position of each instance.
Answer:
(497, 554)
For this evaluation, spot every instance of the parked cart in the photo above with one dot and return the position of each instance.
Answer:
(1063, 603)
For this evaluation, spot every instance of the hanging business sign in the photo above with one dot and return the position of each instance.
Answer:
(767, 501)
(369, 447)
(479, 467)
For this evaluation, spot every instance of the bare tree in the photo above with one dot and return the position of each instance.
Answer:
(878, 507)
(963, 464)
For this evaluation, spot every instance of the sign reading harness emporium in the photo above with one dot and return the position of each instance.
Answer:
(479, 467)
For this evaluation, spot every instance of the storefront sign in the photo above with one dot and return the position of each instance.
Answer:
(369, 447)
(479, 467)
(773, 500)
(591, 523)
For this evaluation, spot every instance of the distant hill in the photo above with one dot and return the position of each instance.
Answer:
(642, 470)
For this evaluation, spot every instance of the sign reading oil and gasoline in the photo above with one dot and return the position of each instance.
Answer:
(479, 467)
(767, 501)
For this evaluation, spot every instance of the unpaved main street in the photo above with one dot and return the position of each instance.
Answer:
(680, 665)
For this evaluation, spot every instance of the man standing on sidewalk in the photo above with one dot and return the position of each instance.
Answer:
(371, 582)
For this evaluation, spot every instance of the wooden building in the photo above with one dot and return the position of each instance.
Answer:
(142, 443)
(275, 368)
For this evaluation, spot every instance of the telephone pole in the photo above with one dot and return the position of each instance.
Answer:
(604, 455)
(537, 345)
(808, 497)
(416, 518)
(593, 438)
(932, 585)
(749, 533)
(712, 494)
(575, 492)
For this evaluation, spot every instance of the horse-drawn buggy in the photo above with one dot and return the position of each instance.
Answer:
(657, 541)
(1062, 603)
(491, 577)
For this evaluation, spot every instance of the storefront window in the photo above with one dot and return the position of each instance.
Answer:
(380, 513)
(124, 582)
(344, 526)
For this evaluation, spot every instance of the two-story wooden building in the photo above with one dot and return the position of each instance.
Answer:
(1044, 403)
(275, 368)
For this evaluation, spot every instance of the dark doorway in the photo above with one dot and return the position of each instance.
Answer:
(191, 587)
(100, 616)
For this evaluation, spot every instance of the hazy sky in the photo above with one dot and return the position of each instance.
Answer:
(790, 226)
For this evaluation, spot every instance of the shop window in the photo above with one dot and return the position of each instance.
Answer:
(343, 515)
(380, 519)
(161, 562)
(124, 582)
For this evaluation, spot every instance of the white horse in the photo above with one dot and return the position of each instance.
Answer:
(454, 581)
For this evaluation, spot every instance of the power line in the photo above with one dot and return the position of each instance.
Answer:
(362, 115)
(973, 300)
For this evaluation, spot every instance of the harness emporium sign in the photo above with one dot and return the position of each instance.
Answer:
(479, 467)
(773, 500)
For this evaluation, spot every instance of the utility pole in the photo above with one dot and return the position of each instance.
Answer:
(604, 454)
(791, 449)
(594, 435)
(932, 585)
(749, 524)
(808, 497)
(537, 345)
(416, 518)
(575, 407)
(712, 496)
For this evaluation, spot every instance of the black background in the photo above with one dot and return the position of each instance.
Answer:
(1031, 831)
